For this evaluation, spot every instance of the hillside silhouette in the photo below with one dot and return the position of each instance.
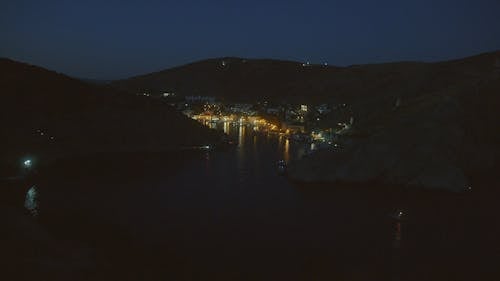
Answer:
(256, 79)
(48, 114)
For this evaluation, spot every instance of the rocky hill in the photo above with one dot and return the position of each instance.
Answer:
(416, 124)
(441, 133)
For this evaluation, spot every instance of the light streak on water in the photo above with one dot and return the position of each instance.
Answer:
(31, 201)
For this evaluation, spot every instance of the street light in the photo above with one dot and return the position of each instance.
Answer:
(27, 163)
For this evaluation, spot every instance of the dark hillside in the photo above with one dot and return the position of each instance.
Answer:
(443, 133)
(46, 113)
(236, 79)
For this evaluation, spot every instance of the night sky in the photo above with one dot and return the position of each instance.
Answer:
(116, 39)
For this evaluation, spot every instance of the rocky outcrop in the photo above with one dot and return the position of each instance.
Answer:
(422, 144)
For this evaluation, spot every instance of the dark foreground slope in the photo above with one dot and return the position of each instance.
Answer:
(69, 129)
(46, 114)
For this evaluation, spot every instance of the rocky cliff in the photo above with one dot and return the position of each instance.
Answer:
(444, 138)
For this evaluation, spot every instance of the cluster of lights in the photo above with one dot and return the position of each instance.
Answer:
(257, 122)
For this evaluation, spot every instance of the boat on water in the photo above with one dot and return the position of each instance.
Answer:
(282, 167)
(398, 215)
(300, 137)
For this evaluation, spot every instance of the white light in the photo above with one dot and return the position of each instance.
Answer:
(27, 163)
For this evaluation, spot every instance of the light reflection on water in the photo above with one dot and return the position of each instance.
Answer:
(313, 146)
(242, 207)
(31, 201)
(286, 149)
(286, 152)
(227, 197)
(241, 135)
(255, 153)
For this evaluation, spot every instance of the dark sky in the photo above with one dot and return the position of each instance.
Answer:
(116, 39)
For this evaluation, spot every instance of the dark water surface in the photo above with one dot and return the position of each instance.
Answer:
(228, 215)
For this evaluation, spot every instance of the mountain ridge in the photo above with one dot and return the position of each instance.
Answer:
(281, 80)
